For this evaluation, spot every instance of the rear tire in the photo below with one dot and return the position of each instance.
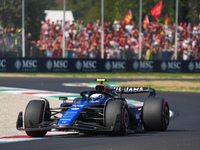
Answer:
(155, 114)
(117, 117)
(34, 116)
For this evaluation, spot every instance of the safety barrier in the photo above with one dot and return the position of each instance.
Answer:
(96, 65)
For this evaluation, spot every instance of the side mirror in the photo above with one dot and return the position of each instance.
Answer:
(63, 99)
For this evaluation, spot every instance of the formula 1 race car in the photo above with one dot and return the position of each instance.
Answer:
(102, 110)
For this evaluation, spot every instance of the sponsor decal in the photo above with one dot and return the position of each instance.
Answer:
(65, 119)
(57, 65)
(115, 66)
(135, 65)
(49, 64)
(163, 66)
(108, 66)
(78, 65)
(137, 116)
(128, 89)
(194, 67)
(2, 64)
(86, 65)
(80, 105)
(174, 65)
(75, 109)
(93, 65)
(26, 65)
(18, 64)
(171, 66)
(143, 66)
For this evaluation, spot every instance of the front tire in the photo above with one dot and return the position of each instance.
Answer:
(34, 114)
(155, 114)
(117, 117)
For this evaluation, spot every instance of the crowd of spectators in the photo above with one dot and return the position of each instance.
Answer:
(121, 41)
(9, 38)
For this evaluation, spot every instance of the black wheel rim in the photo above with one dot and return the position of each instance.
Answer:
(126, 118)
(166, 114)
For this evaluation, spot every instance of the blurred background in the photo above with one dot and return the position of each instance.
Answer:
(43, 29)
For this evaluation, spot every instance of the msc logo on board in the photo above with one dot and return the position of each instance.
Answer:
(171, 66)
(143, 66)
(194, 66)
(119, 66)
(26, 65)
(2, 64)
(86, 65)
(57, 65)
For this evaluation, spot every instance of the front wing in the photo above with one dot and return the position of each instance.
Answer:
(48, 125)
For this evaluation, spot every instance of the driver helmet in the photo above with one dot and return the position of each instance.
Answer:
(99, 97)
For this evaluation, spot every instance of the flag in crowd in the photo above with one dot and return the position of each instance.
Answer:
(146, 20)
(156, 10)
(128, 17)
(166, 19)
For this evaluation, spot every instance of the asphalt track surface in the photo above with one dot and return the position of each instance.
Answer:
(183, 132)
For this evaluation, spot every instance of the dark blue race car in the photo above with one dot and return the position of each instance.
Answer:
(102, 110)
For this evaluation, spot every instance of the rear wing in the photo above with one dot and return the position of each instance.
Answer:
(133, 90)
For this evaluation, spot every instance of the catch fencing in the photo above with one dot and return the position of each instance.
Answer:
(10, 45)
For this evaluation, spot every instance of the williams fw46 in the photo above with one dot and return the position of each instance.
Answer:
(102, 110)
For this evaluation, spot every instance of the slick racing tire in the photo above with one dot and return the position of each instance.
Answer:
(34, 114)
(155, 114)
(117, 117)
